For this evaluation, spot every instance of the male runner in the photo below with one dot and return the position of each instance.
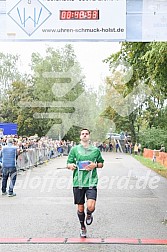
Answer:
(83, 160)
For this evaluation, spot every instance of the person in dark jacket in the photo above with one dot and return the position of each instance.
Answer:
(9, 155)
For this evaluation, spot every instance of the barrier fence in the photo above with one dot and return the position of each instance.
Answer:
(33, 157)
(156, 156)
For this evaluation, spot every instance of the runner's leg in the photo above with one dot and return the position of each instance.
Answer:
(79, 199)
(91, 195)
(81, 215)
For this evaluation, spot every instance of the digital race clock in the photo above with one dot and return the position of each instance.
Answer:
(79, 14)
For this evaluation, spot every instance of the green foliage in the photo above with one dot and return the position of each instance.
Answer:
(58, 101)
(153, 138)
(73, 134)
(49, 84)
(8, 72)
(156, 63)
(148, 61)
(12, 111)
(52, 83)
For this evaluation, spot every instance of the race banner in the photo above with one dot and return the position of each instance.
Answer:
(66, 19)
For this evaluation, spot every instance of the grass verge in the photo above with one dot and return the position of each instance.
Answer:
(155, 166)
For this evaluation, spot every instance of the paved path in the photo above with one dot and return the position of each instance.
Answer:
(132, 203)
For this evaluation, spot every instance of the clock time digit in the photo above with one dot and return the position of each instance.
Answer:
(89, 14)
(68, 14)
(76, 14)
(63, 15)
(81, 14)
(95, 14)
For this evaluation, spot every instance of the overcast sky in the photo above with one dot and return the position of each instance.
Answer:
(89, 54)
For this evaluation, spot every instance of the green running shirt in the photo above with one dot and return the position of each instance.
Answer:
(79, 153)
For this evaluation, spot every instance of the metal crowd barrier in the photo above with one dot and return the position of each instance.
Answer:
(33, 157)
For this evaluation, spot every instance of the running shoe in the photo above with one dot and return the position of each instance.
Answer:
(4, 193)
(11, 194)
(89, 219)
(83, 233)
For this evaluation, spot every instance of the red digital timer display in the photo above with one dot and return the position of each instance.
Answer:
(79, 14)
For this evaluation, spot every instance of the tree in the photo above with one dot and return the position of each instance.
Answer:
(8, 71)
(12, 111)
(60, 93)
(153, 138)
(53, 100)
(147, 69)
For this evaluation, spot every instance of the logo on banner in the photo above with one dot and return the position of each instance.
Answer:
(29, 15)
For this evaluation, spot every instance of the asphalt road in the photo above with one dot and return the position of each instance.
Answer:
(132, 203)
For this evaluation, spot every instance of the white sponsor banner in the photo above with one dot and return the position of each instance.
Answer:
(154, 20)
(2, 19)
(66, 19)
(2, 7)
(154, 6)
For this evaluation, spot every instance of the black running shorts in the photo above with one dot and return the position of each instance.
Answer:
(79, 194)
